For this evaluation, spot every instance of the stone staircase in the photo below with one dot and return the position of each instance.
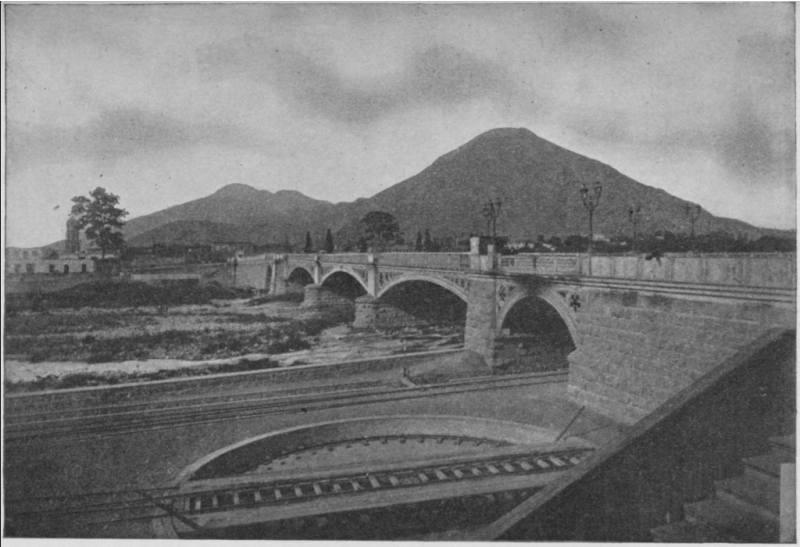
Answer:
(744, 509)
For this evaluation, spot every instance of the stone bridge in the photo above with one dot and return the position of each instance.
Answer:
(634, 330)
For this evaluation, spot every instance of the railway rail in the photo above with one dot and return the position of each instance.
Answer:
(196, 506)
(53, 427)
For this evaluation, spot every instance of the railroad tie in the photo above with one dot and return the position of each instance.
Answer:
(543, 464)
(393, 480)
(336, 488)
(458, 473)
(476, 472)
(559, 462)
(440, 475)
(374, 481)
(423, 477)
(508, 467)
(492, 469)
(198, 504)
(525, 465)
(278, 494)
(214, 501)
(317, 489)
(236, 500)
(575, 460)
(257, 496)
(298, 491)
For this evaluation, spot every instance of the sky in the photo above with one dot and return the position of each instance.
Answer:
(166, 103)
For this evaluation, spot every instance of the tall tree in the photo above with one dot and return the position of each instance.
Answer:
(309, 247)
(100, 217)
(418, 244)
(428, 243)
(378, 228)
(328, 241)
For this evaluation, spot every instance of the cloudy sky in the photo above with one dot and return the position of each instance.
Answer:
(162, 104)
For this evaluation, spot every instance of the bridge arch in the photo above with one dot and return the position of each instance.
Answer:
(301, 274)
(434, 279)
(344, 270)
(553, 297)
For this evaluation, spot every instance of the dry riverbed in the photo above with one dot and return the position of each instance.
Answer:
(95, 346)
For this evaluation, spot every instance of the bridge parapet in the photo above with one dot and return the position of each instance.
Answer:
(744, 270)
(764, 270)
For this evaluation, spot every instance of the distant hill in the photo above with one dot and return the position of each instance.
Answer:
(536, 180)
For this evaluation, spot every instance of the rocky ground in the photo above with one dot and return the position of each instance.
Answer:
(91, 346)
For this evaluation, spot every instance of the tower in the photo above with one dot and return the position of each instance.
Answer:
(73, 244)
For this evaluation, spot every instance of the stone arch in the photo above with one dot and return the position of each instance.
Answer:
(436, 280)
(552, 296)
(348, 271)
(296, 272)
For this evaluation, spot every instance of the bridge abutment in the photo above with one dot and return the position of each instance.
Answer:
(639, 349)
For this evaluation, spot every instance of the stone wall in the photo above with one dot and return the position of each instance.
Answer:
(252, 272)
(638, 349)
(110, 399)
(671, 457)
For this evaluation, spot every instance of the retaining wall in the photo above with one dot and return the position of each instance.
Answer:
(107, 396)
(638, 349)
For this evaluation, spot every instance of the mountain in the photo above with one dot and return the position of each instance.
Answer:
(537, 181)
(237, 204)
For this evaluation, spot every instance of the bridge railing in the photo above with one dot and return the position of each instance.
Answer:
(426, 261)
(761, 270)
(344, 258)
(541, 264)
(765, 270)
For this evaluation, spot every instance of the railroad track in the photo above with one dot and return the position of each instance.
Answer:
(53, 427)
(214, 504)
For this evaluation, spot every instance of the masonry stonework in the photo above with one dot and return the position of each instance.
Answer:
(639, 349)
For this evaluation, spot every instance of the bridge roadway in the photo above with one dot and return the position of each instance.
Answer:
(72, 480)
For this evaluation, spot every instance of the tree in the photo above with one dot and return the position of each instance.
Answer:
(379, 229)
(328, 241)
(101, 218)
(418, 245)
(428, 242)
(309, 248)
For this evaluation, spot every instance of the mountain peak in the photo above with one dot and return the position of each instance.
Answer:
(237, 190)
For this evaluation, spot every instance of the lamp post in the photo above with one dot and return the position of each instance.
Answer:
(635, 218)
(491, 211)
(590, 200)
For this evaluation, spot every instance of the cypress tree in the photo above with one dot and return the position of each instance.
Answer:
(328, 241)
(309, 244)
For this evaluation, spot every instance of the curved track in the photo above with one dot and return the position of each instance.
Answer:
(58, 426)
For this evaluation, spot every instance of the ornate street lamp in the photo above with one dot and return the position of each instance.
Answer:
(491, 211)
(590, 200)
(635, 218)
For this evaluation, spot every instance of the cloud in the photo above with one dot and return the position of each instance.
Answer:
(117, 133)
(439, 75)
